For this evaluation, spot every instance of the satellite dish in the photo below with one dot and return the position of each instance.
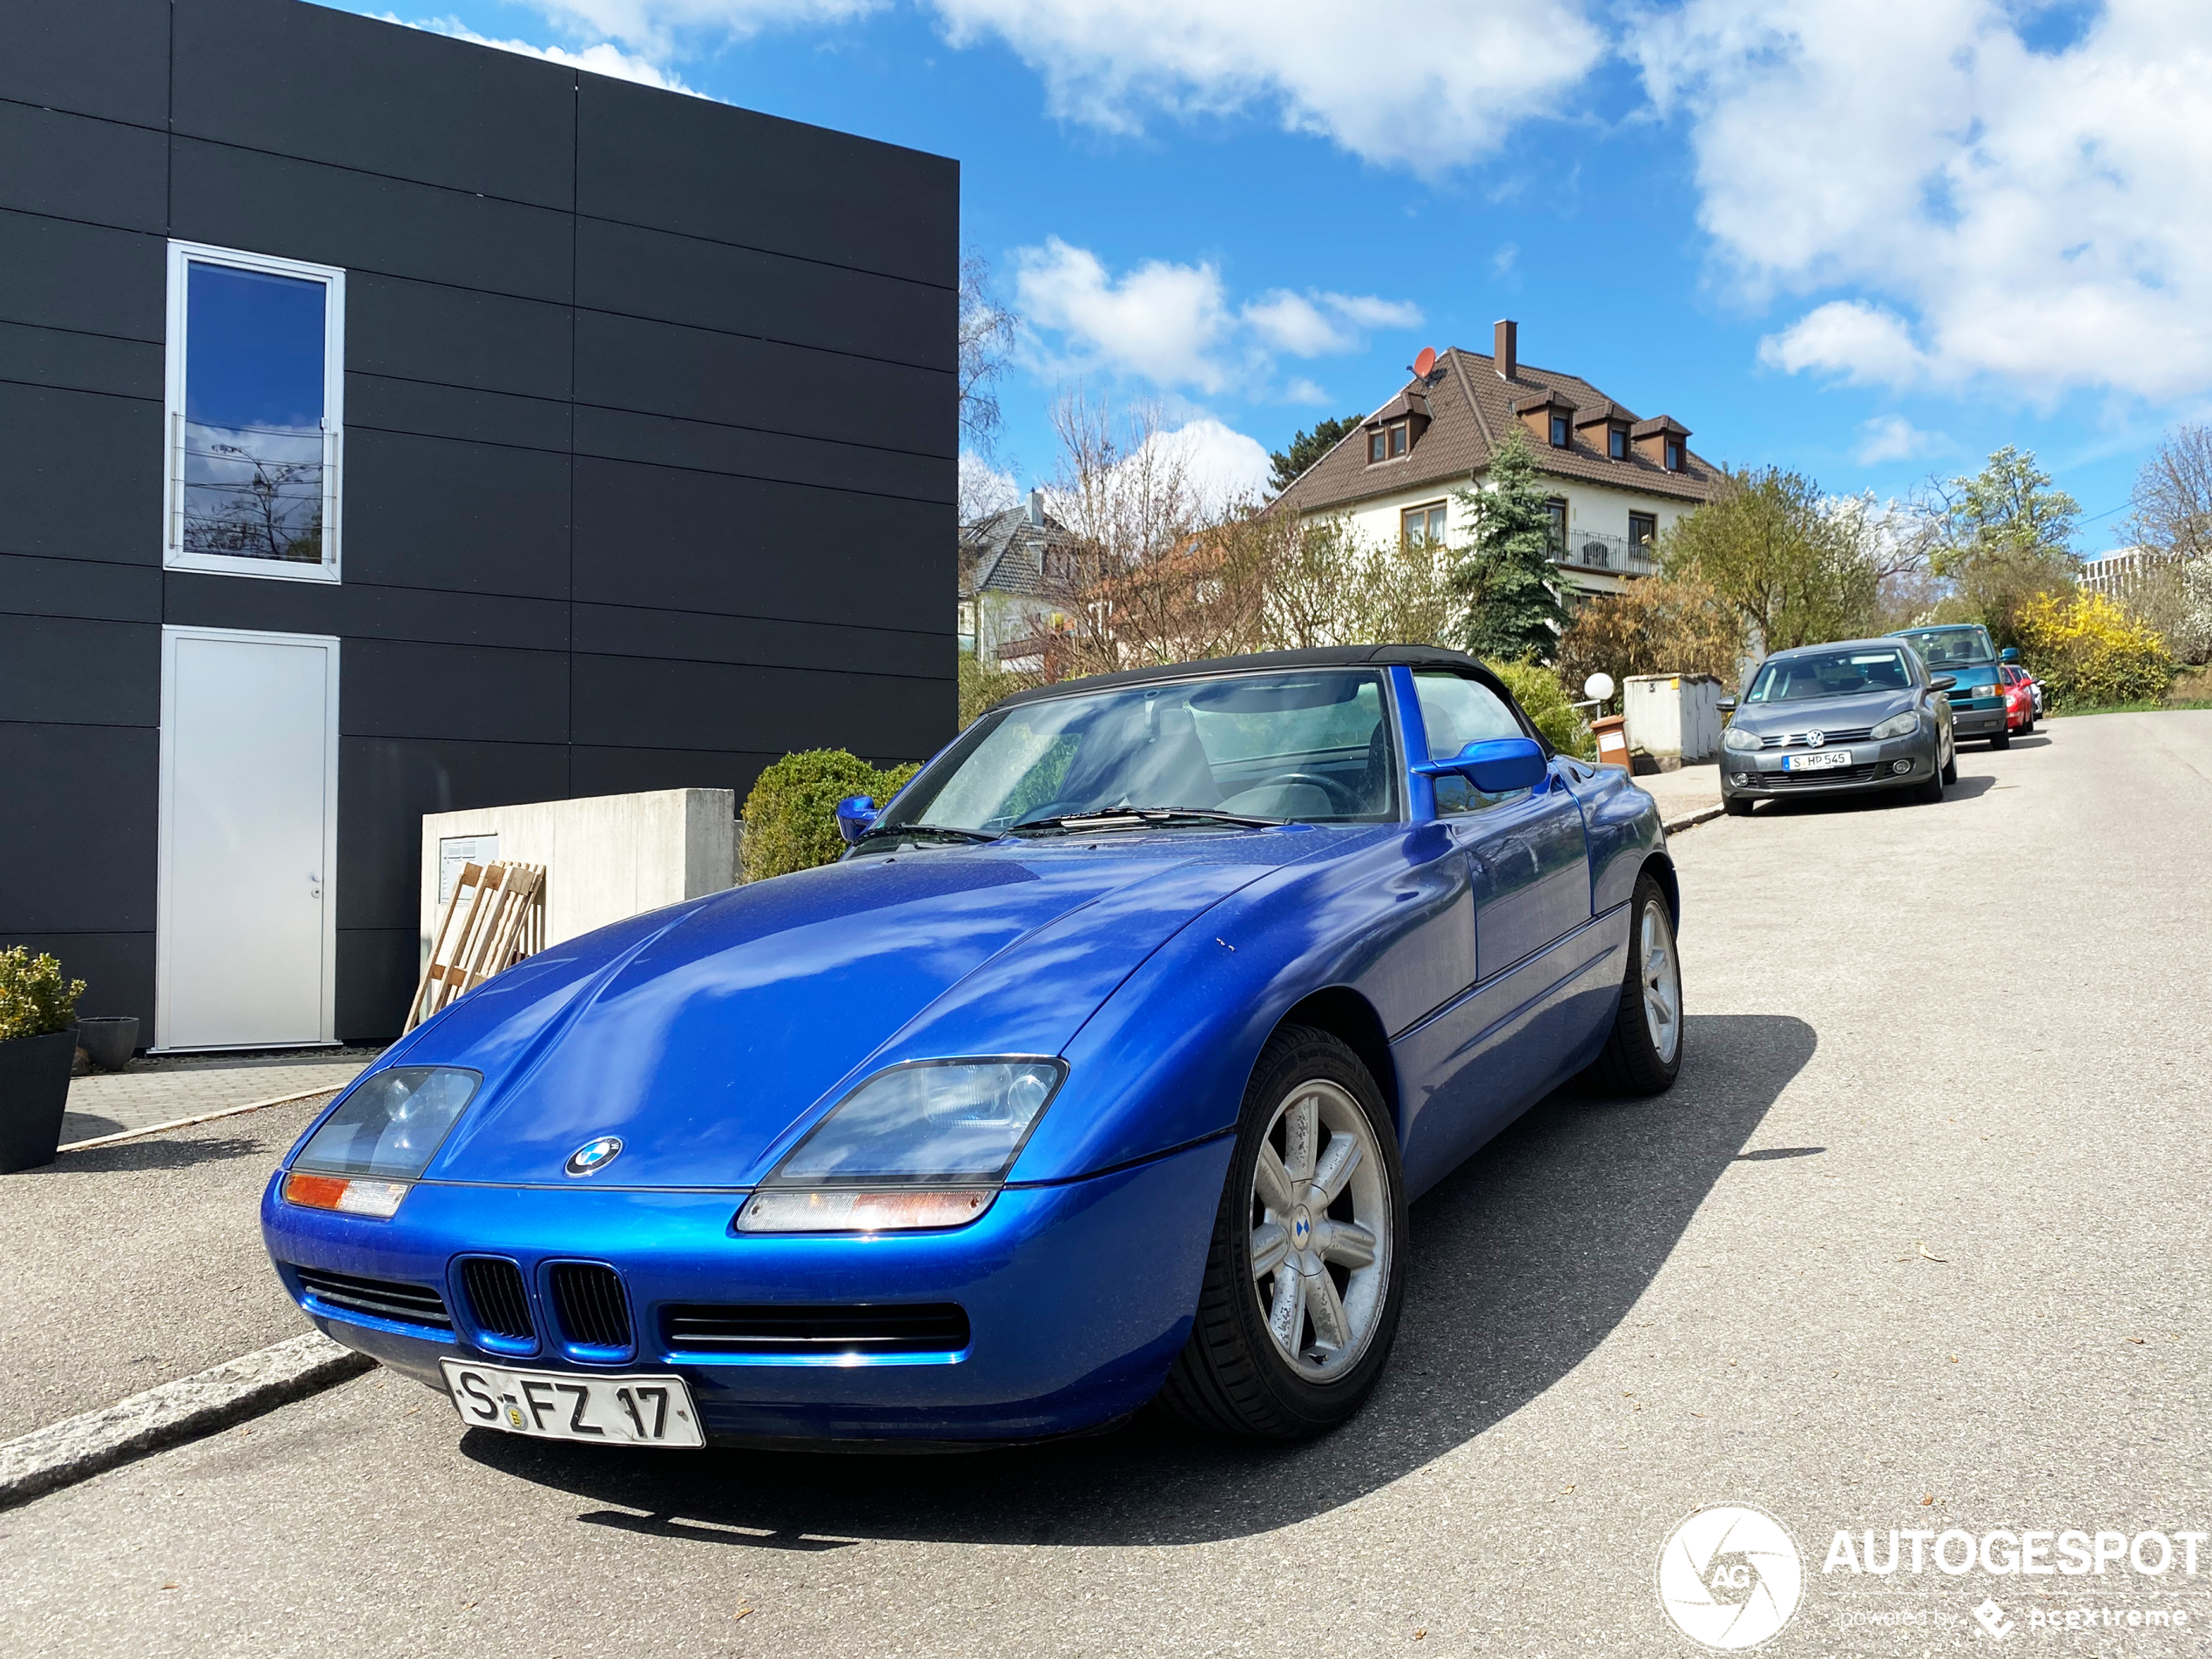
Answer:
(1598, 688)
(1425, 363)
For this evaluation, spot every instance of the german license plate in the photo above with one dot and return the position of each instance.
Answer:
(1819, 761)
(561, 1405)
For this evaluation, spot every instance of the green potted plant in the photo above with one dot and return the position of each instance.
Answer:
(38, 1043)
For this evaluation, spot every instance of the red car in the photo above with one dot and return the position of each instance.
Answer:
(2020, 698)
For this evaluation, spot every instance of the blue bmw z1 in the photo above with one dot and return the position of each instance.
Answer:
(1099, 1072)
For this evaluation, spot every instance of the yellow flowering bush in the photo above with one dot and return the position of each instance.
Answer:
(2087, 651)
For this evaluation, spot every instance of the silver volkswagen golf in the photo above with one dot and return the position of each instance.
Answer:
(1846, 717)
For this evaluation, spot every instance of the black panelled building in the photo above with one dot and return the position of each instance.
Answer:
(389, 424)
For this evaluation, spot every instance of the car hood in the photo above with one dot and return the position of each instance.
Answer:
(708, 1036)
(1824, 713)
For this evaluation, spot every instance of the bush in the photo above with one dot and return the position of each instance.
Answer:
(35, 1001)
(2087, 651)
(1544, 700)
(791, 816)
(980, 687)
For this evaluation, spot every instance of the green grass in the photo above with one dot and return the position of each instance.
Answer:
(2131, 708)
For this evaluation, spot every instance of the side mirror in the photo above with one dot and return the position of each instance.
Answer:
(1496, 766)
(1943, 682)
(856, 816)
(1726, 705)
(2008, 655)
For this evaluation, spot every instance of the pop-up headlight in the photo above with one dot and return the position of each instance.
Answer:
(923, 1145)
(381, 1138)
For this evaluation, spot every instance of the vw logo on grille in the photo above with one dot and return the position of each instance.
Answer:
(1814, 739)
(594, 1156)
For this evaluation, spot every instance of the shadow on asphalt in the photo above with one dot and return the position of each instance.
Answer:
(1521, 1264)
(153, 1155)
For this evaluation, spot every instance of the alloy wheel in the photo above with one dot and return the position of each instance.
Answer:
(1662, 982)
(1320, 1231)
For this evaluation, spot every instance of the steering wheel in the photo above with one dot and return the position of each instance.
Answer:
(1339, 797)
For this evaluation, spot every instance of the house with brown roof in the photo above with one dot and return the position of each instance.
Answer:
(1619, 479)
(1017, 568)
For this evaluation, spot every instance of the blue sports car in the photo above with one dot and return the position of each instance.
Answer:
(1100, 1071)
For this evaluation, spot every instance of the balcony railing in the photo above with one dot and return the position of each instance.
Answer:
(1594, 550)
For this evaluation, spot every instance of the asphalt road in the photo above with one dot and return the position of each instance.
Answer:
(1917, 1242)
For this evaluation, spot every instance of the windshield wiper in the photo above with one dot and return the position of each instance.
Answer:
(980, 837)
(1119, 818)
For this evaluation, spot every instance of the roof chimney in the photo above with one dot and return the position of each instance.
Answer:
(1505, 347)
(1037, 508)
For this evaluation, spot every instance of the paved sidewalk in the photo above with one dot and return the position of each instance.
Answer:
(162, 1088)
(1693, 789)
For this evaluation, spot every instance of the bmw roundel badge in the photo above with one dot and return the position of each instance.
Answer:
(594, 1156)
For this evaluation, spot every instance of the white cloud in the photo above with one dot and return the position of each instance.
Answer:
(2031, 217)
(1428, 84)
(1221, 464)
(1303, 390)
(1172, 324)
(601, 58)
(1891, 437)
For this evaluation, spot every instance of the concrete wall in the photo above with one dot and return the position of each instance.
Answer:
(605, 858)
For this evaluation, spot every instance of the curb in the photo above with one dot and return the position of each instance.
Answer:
(79, 1447)
(1674, 826)
(204, 1118)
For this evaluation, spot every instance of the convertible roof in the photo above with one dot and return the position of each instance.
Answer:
(1324, 656)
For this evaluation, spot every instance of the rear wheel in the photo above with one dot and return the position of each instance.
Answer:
(1643, 1054)
(1302, 1292)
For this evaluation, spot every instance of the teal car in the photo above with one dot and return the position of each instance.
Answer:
(1964, 651)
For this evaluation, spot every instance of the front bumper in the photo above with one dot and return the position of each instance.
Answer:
(1078, 1296)
(1978, 723)
(1763, 774)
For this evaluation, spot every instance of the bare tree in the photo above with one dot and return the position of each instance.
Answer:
(987, 336)
(2173, 496)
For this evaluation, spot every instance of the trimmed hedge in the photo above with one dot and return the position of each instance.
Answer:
(791, 816)
(34, 1000)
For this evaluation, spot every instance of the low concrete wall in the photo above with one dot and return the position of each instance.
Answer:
(1673, 716)
(605, 856)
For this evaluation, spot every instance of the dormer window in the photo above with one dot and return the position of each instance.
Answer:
(1616, 441)
(1387, 443)
(1059, 564)
(1560, 438)
(1673, 452)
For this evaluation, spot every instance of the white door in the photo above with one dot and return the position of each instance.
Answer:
(249, 829)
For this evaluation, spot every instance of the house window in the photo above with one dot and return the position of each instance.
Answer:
(1616, 442)
(255, 379)
(1059, 564)
(1422, 526)
(966, 626)
(1376, 440)
(1556, 507)
(1644, 531)
(1673, 451)
(1560, 436)
(1400, 439)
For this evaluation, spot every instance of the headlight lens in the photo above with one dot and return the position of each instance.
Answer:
(924, 1145)
(383, 1137)
(1737, 738)
(1899, 725)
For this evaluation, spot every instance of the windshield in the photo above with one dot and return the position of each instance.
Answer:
(1842, 673)
(1311, 747)
(1952, 647)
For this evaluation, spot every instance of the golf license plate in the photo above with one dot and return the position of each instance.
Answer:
(1819, 761)
(561, 1405)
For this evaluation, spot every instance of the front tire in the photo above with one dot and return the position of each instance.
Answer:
(2002, 740)
(1643, 1054)
(1736, 805)
(1951, 766)
(1302, 1287)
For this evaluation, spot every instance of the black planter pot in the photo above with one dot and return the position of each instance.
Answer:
(34, 1093)
(109, 1042)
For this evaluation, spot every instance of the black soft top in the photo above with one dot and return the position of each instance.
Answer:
(1322, 657)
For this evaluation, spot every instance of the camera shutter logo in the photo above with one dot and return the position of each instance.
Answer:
(1730, 1578)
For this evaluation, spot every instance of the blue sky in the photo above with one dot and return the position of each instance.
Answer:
(1865, 239)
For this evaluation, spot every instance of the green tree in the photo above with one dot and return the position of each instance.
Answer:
(1306, 447)
(1509, 603)
(1793, 567)
(2003, 536)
